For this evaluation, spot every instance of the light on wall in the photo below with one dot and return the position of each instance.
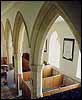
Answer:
(54, 50)
(78, 73)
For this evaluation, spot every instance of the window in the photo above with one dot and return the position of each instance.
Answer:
(78, 73)
(54, 50)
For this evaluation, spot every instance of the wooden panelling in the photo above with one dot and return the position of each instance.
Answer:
(52, 82)
(26, 75)
(61, 89)
(47, 71)
(70, 87)
(25, 65)
(26, 92)
(48, 82)
(26, 56)
(48, 93)
(25, 62)
(57, 80)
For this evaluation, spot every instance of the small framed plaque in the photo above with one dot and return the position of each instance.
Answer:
(68, 48)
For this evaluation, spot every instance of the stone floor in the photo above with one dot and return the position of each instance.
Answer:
(7, 92)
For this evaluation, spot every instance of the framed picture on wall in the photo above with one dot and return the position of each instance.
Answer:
(68, 48)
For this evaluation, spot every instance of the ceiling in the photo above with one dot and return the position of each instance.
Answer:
(5, 5)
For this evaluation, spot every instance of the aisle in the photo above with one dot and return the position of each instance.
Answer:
(7, 92)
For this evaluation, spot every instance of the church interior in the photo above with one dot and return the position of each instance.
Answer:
(41, 50)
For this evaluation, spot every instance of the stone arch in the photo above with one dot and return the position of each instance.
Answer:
(19, 24)
(19, 20)
(47, 15)
(2, 32)
(8, 29)
(44, 20)
(8, 32)
(3, 39)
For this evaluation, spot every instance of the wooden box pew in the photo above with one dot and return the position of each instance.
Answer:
(49, 71)
(49, 83)
(26, 89)
(25, 84)
(26, 76)
(61, 89)
(57, 84)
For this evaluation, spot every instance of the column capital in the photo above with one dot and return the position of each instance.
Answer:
(36, 64)
(36, 67)
(17, 53)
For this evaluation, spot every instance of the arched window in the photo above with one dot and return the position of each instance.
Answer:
(78, 73)
(54, 50)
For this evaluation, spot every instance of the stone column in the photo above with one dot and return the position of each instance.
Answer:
(36, 82)
(39, 81)
(4, 49)
(18, 70)
(9, 55)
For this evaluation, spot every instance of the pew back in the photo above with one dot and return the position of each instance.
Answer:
(61, 89)
(47, 71)
(26, 75)
(52, 82)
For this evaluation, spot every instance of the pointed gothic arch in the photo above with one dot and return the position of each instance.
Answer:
(9, 40)
(2, 32)
(8, 29)
(19, 20)
(46, 17)
(3, 40)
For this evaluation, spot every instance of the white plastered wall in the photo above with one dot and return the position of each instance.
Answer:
(67, 67)
(25, 46)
